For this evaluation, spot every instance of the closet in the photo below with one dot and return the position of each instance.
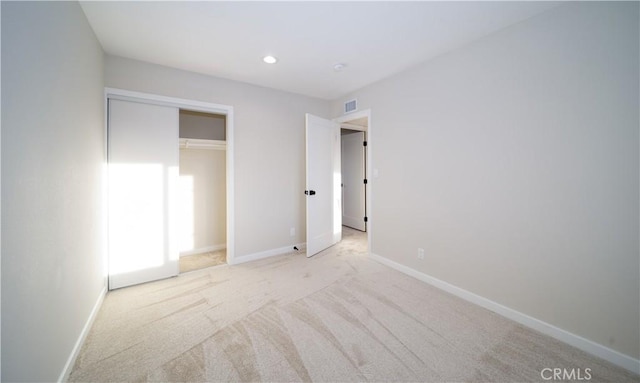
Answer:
(201, 190)
(169, 189)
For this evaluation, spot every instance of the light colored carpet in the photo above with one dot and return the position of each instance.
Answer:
(336, 317)
(201, 261)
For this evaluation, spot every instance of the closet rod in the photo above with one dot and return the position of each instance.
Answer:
(194, 143)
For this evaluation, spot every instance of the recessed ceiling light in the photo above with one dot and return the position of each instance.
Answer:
(339, 66)
(270, 59)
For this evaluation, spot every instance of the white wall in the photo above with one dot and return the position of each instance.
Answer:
(513, 162)
(268, 145)
(203, 180)
(52, 164)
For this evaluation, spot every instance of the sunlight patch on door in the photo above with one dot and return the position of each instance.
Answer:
(136, 222)
(173, 176)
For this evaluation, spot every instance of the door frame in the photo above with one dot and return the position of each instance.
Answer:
(368, 167)
(185, 104)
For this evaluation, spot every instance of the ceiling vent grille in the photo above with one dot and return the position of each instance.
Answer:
(350, 106)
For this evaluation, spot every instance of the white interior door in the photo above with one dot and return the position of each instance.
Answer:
(143, 179)
(324, 218)
(353, 175)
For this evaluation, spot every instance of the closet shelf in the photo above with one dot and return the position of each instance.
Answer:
(194, 143)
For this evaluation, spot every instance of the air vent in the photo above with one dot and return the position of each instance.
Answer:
(350, 106)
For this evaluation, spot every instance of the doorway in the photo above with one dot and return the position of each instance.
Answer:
(324, 176)
(202, 190)
(353, 163)
(357, 170)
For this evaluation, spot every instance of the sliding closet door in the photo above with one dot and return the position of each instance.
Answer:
(143, 178)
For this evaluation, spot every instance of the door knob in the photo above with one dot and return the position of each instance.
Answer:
(310, 192)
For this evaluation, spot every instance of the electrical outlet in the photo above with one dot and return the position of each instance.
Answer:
(292, 232)
(420, 253)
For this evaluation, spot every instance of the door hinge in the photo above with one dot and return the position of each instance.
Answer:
(364, 143)
(366, 219)
(366, 181)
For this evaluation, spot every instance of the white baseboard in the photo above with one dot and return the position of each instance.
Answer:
(354, 223)
(206, 249)
(269, 253)
(66, 371)
(577, 341)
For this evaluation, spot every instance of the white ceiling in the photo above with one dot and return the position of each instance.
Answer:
(228, 39)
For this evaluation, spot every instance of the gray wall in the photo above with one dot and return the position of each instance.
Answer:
(52, 164)
(513, 162)
(204, 126)
(268, 143)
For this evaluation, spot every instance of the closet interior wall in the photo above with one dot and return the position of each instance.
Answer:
(202, 183)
